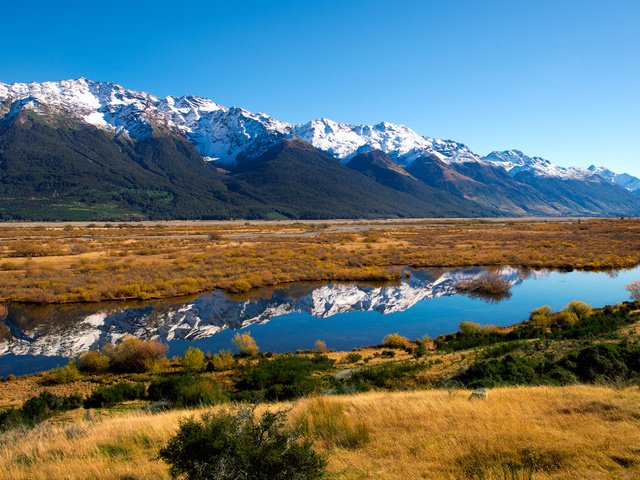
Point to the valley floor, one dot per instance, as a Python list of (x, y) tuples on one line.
[(586, 432), (84, 262)]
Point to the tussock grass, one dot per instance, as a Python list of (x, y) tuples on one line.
[(78, 262), (518, 433)]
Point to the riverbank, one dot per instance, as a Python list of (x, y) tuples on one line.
[(560, 400), (61, 263)]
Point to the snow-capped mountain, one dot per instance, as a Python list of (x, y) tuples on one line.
[(217, 132), (625, 180), (514, 161), (70, 332), (167, 145)]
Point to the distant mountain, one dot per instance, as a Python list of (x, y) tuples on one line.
[(299, 181), (378, 165), (80, 149), (625, 180)]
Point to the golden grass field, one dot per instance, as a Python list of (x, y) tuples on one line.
[(577, 432), (49, 263)]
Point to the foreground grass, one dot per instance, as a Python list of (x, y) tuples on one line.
[(92, 262), (547, 432)]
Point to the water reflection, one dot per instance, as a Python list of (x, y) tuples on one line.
[(68, 330)]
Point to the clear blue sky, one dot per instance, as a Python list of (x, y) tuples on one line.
[(558, 79)]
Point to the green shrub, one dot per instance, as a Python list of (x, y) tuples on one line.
[(245, 344), (352, 357), (221, 361), (193, 360), (37, 409), (390, 375), (122, 392), (284, 377), (237, 445), (67, 374), (133, 355), (187, 391), (93, 362)]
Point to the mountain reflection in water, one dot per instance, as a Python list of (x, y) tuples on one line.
[(68, 330)]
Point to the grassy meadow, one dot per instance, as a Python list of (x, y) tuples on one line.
[(49, 263), (537, 432)]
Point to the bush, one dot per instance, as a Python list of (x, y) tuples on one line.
[(352, 357), (390, 375), (133, 355), (284, 377), (237, 445), (193, 360), (122, 392), (67, 374), (395, 340), (245, 344), (565, 319), (37, 409), (221, 361), (541, 315), (93, 362), (581, 309), (187, 391), (321, 346)]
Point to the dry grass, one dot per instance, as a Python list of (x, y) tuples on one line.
[(551, 432), (80, 262)]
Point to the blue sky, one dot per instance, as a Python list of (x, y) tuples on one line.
[(558, 79)]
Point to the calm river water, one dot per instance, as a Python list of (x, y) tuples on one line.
[(344, 315)]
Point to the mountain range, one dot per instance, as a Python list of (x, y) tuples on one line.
[(87, 150)]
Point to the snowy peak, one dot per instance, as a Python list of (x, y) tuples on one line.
[(401, 143), (226, 135), (624, 180), (514, 161)]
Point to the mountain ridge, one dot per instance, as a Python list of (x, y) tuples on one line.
[(186, 133)]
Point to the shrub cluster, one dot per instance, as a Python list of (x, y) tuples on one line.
[(103, 396), (238, 445), (221, 361), (37, 409), (187, 391), (283, 377), (134, 355), (596, 363), (577, 320)]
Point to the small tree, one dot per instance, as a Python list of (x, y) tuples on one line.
[(237, 445), (193, 360), (245, 344), (321, 346), (221, 361), (67, 374), (541, 315), (135, 356), (470, 328), (634, 289), (395, 340), (581, 309), (93, 362)]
